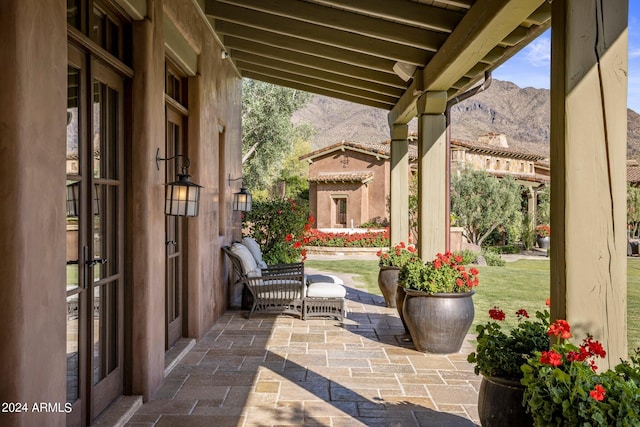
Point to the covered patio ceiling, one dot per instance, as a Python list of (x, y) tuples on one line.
[(347, 49)]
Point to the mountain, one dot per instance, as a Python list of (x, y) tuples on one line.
[(522, 114)]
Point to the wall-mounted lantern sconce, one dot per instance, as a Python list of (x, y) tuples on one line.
[(73, 199), (73, 210), (182, 196), (241, 199)]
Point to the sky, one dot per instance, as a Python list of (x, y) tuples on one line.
[(530, 67)]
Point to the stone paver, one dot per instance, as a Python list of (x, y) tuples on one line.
[(282, 371)]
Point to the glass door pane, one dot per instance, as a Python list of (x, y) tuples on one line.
[(73, 239), (173, 233)]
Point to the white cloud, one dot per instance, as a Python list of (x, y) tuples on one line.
[(538, 52), (634, 53)]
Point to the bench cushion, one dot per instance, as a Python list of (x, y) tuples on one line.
[(326, 290), (324, 278)]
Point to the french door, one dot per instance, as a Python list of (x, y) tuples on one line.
[(174, 145), (95, 237)]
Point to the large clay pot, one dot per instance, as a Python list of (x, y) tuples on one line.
[(500, 403), (388, 283), (438, 323), (400, 294), (544, 242)]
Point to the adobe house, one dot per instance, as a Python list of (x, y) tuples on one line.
[(349, 181), (125, 85)]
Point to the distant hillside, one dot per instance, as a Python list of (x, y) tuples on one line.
[(521, 114)]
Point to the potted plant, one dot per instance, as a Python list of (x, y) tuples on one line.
[(543, 233), (564, 388), (498, 357), (438, 309), (390, 263)]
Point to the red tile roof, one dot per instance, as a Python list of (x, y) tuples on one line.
[(342, 177), (375, 149)]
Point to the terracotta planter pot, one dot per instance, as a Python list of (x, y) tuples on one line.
[(543, 242), (388, 283), (438, 323), (500, 403), (400, 294)]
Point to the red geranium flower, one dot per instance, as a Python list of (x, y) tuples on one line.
[(593, 346), (522, 313), (496, 314), (598, 393), (289, 237), (551, 357), (561, 329)]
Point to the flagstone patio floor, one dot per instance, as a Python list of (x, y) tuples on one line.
[(282, 371)]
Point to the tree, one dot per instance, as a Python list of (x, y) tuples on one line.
[(267, 132), (481, 203), (294, 173), (633, 209), (544, 205)]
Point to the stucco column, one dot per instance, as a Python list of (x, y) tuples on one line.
[(399, 179), (145, 237), (33, 101), (432, 174), (588, 152)]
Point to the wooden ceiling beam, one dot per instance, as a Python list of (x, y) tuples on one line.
[(316, 90), (336, 67), (245, 60), (403, 11), (313, 82), (304, 46), (345, 20), (226, 13), (484, 26)]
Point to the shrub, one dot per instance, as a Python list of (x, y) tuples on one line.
[(493, 259), (376, 222), (468, 256), (279, 226), (506, 249)]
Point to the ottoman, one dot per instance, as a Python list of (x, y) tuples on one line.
[(324, 299)]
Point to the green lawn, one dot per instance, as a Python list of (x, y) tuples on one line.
[(521, 284)]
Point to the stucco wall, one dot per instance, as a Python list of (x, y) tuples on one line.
[(365, 201), (32, 214), (215, 99), (33, 98), (214, 103)]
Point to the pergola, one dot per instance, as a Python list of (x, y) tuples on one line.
[(413, 57)]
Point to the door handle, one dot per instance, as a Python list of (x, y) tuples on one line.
[(96, 261), (171, 242)]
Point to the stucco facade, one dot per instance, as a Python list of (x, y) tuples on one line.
[(45, 310), (359, 173), (354, 174)]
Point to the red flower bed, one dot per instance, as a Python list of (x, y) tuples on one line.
[(367, 239)]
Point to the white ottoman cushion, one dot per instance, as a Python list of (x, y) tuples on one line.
[(324, 278), (326, 290)]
